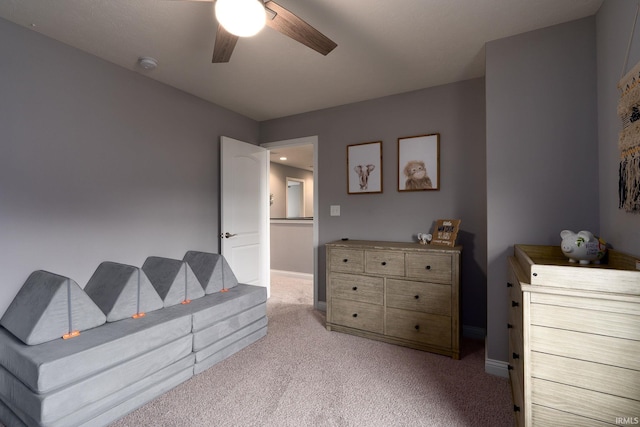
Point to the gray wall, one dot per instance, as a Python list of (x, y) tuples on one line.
[(278, 186), (542, 150), (291, 243), (100, 163), (614, 22), (456, 111), (292, 246)]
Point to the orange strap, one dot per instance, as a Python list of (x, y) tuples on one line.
[(71, 334)]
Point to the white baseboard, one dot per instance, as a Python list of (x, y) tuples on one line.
[(295, 274), (496, 367)]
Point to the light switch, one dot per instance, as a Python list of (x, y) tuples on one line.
[(335, 210)]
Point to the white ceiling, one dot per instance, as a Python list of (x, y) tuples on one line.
[(297, 156), (384, 47)]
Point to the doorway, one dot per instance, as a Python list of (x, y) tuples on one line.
[(307, 208)]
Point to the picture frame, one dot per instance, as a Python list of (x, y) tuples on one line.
[(364, 168), (445, 232), (419, 163)]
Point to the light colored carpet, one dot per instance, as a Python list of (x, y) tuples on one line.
[(302, 375)]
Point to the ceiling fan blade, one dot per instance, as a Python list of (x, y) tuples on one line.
[(224, 44), (290, 25)]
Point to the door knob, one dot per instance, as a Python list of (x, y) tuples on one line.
[(227, 235)]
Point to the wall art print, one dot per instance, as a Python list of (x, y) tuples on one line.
[(419, 163), (364, 168)]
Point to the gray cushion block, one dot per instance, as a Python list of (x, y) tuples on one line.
[(9, 417), (122, 291), (212, 270), (48, 407), (173, 279), (49, 306), (214, 308), (138, 400), (117, 404), (229, 350), (48, 366), (207, 336), (229, 340)]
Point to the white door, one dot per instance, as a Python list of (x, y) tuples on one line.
[(244, 203)]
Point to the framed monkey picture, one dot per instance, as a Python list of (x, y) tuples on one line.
[(419, 163), (364, 168)]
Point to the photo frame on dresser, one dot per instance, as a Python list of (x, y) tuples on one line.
[(364, 168), (419, 163)]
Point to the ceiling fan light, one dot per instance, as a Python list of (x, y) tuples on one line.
[(243, 18)]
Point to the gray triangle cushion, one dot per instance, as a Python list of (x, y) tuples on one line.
[(212, 270), (48, 307), (173, 279), (122, 291)]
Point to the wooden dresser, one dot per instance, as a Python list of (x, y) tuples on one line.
[(401, 293), (574, 339)]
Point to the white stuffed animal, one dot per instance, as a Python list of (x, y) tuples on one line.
[(424, 238)]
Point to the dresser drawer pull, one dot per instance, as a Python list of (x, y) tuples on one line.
[(515, 355), (355, 288), (417, 327), (345, 260), (514, 304), (516, 408), (509, 285), (509, 368), (355, 314), (417, 297), (428, 267), (383, 263), (509, 326)]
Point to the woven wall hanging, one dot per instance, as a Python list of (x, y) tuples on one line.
[(629, 138)]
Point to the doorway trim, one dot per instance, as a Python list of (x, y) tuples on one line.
[(306, 140)]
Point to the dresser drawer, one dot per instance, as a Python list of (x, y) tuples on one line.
[(517, 392), (614, 324), (358, 315), (346, 260), (586, 403), (436, 268), (515, 313), (419, 296), (544, 416), (516, 373), (588, 347), (420, 327), (386, 263), (357, 288), (587, 375)]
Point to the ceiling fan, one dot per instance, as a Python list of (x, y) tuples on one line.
[(266, 12)]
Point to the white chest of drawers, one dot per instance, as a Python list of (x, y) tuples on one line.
[(574, 338), (401, 293)]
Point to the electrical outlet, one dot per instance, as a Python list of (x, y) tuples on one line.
[(335, 210)]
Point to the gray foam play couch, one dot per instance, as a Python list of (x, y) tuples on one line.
[(142, 331)]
